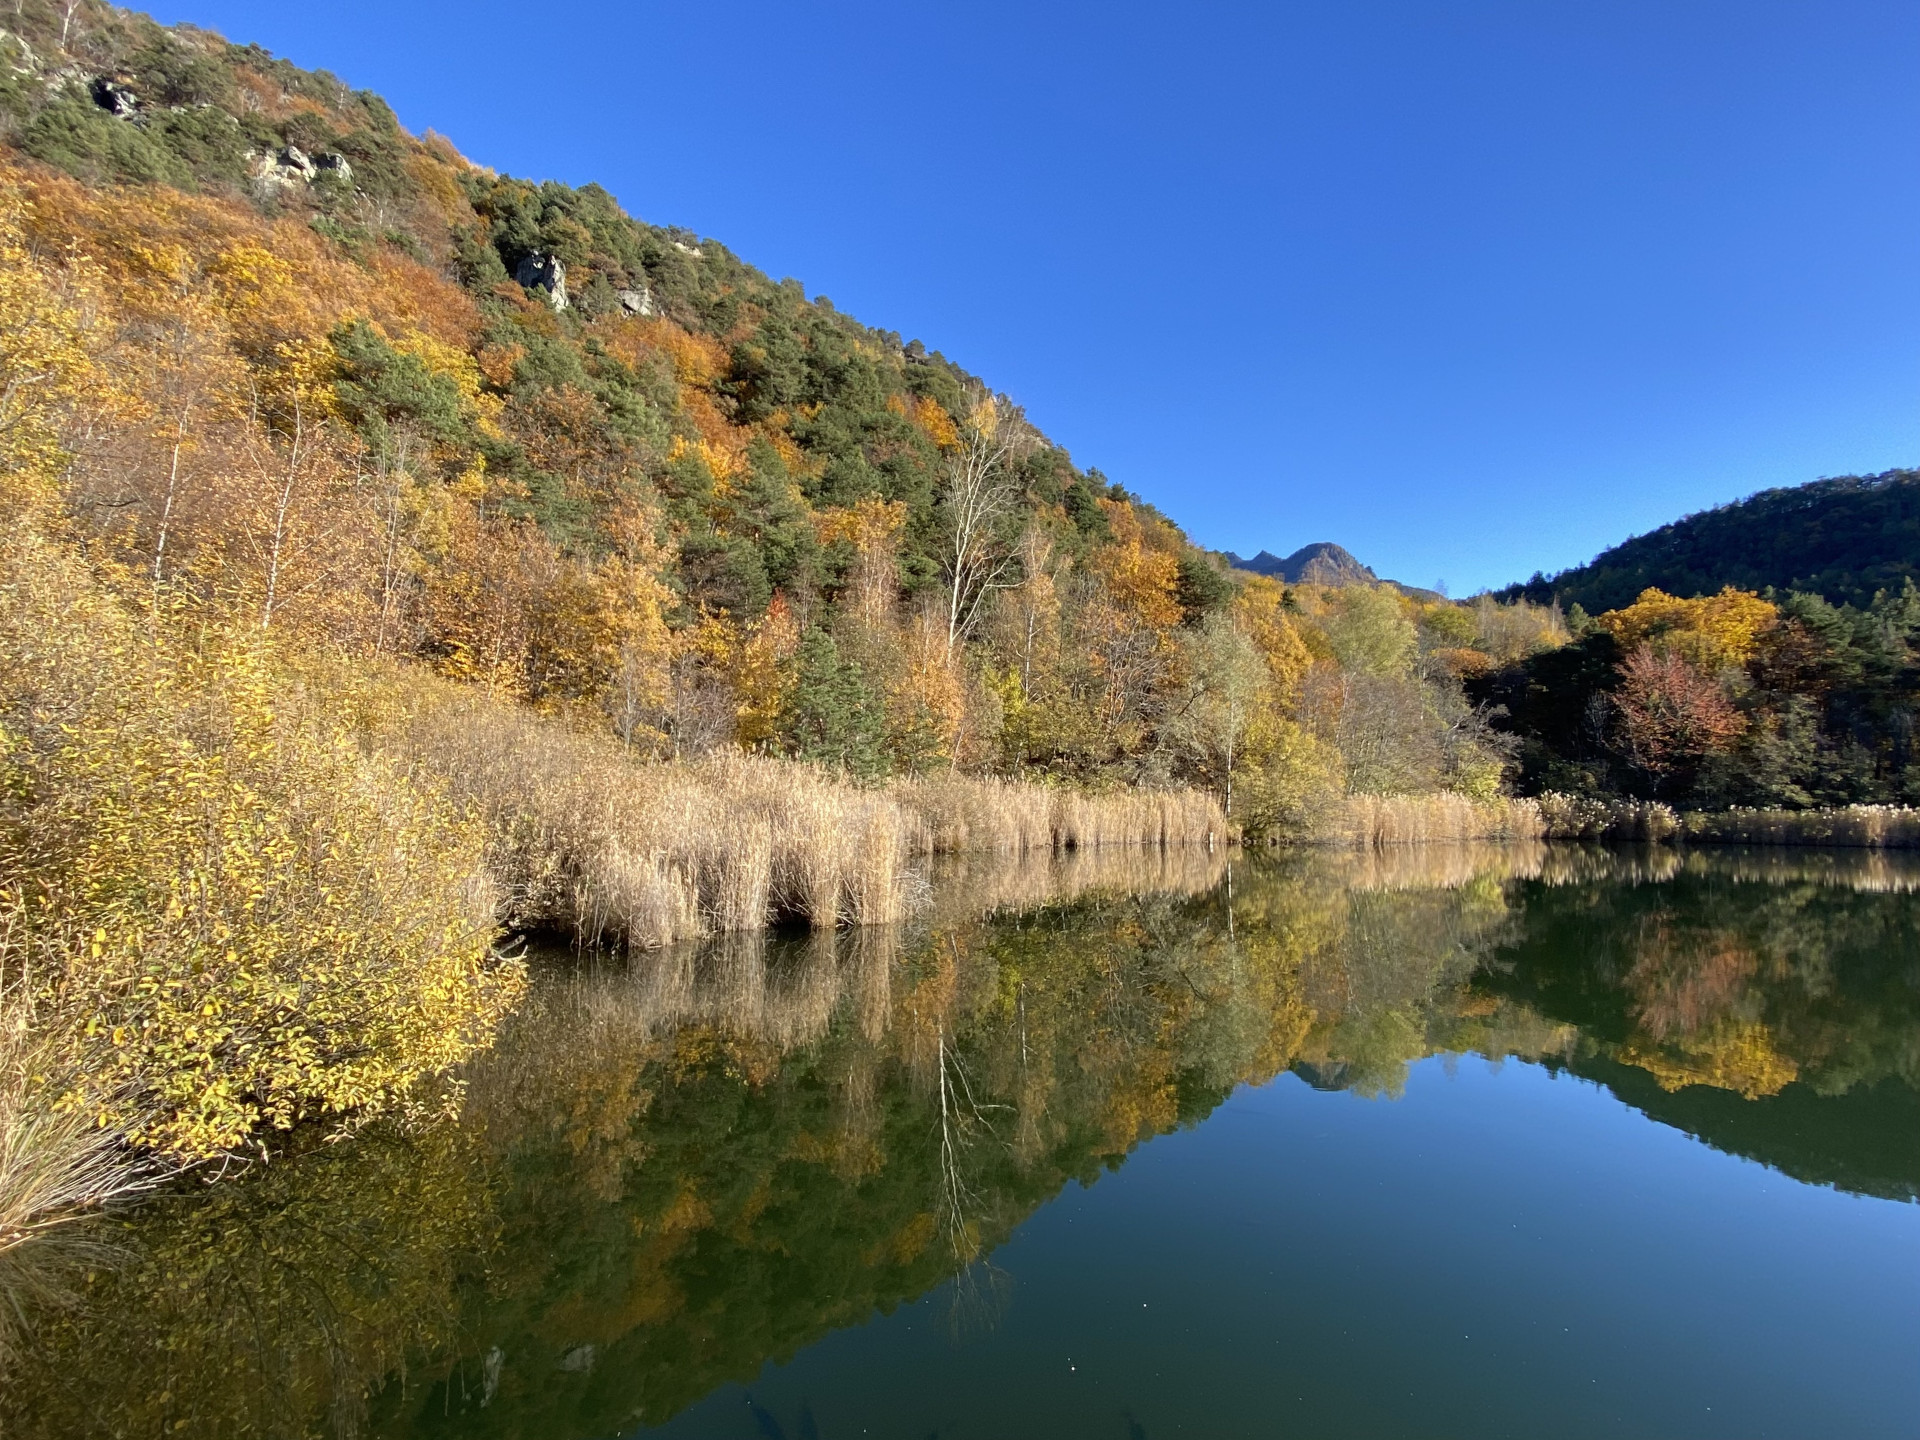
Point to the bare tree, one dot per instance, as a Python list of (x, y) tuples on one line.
[(631, 700), (294, 531), (981, 492), (279, 537), (1036, 604), (700, 707)]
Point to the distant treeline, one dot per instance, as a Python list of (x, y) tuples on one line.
[(1844, 539), (1722, 700)]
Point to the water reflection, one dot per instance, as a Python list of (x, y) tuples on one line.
[(675, 1169)]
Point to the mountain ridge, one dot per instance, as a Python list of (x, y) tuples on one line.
[(1323, 563), (1320, 563)]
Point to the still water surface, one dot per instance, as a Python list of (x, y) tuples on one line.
[(1509, 1142)]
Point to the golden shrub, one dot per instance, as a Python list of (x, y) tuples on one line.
[(246, 920)]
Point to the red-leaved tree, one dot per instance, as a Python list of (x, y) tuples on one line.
[(1670, 715)]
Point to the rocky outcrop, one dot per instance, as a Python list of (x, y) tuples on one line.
[(17, 55), (274, 172), (115, 98), (637, 301), (540, 271)]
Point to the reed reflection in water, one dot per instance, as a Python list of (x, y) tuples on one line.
[(679, 1166)]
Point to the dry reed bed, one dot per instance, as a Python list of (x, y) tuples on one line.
[(1444, 818), (1871, 827), (1580, 817), (955, 813), (586, 840)]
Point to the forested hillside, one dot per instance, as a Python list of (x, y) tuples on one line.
[(1723, 700), (395, 555), (382, 400), (1765, 653), (1842, 539)]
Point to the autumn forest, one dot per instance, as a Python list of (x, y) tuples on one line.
[(396, 556)]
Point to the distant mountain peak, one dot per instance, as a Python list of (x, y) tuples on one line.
[(1321, 563)]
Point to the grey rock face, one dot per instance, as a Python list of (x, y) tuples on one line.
[(116, 99), (637, 301), (544, 272), (274, 173), (17, 55)]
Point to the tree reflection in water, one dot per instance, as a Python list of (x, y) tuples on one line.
[(675, 1168)]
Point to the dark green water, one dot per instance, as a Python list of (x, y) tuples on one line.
[(1441, 1144)]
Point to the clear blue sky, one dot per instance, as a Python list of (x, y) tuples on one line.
[(1473, 287)]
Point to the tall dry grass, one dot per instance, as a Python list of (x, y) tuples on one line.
[(1585, 817), (1871, 827), (585, 839), (56, 1160), (1441, 818), (952, 814)]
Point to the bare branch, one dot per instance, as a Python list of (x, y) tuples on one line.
[(981, 491)]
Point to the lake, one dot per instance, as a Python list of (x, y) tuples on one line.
[(1514, 1141)]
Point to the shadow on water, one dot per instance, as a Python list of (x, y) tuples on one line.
[(676, 1169)]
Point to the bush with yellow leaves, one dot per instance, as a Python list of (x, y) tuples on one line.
[(241, 919)]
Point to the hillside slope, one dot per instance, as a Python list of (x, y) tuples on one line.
[(1843, 539), (339, 383), (586, 461)]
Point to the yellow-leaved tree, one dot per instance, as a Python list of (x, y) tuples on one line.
[(48, 314), (1712, 632), (237, 916)]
